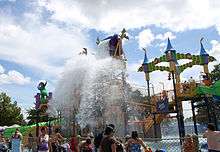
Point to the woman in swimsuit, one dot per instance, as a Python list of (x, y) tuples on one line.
[(134, 143)]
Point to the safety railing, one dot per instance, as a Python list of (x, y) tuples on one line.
[(189, 144)]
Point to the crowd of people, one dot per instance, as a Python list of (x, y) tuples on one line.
[(106, 141), (6, 143)]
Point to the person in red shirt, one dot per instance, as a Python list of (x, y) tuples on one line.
[(74, 144)]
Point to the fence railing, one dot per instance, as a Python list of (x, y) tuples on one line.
[(189, 144)]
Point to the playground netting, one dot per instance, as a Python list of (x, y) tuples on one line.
[(173, 144)]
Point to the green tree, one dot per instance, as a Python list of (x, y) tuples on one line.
[(202, 112), (137, 96), (32, 116), (10, 113), (215, 74)]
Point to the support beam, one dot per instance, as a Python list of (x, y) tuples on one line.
[(194, 118), (179, 112)]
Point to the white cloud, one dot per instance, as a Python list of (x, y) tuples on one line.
[(13, 77), (113, 15), (162, 47), (194, 72), (158, 79), (183, 61), (145, 38), (164, 36), (133, 67), (215, 50), (44, 47), (18, 78), (166, 64), (2, 70)]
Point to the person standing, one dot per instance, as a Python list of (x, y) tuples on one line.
[(16, 141), (30, 142), (74, 142), (98, 138), (97, 141), (108, 143), (127, 137), (135, 143), (3, 146), (213, 138), (86, 146), (56, 140), (43, 140)]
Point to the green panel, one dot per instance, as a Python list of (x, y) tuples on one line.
[(23, 129), (178, 56), (163, 58), (212, 90), (196, 60)]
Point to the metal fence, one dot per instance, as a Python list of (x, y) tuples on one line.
[(196, 144), (199, 144)]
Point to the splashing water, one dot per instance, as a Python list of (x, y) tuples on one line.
[(91, 87)]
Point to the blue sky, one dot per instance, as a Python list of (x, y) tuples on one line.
[(38, 37)]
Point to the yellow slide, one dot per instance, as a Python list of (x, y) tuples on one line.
[(149, 122)]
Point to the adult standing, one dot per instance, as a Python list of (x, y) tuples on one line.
[(127, 137), (3, 146), (74, 142), (30, 142), (98, 138), (213, 138), (56, 140), (108, 143), (43, 140), (97, 141), (16, 141), (135, 143), (86, 146)]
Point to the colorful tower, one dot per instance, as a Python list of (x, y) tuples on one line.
[(41, 104), (145, 67), (171, 58), (204, 58)]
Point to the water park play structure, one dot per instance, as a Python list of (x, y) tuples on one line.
[(161, 106), (41, 105), (87, 94)]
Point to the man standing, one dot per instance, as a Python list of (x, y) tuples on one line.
[(213, 138), (108, 143)]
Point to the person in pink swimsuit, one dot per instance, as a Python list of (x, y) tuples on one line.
[(213, 138)]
